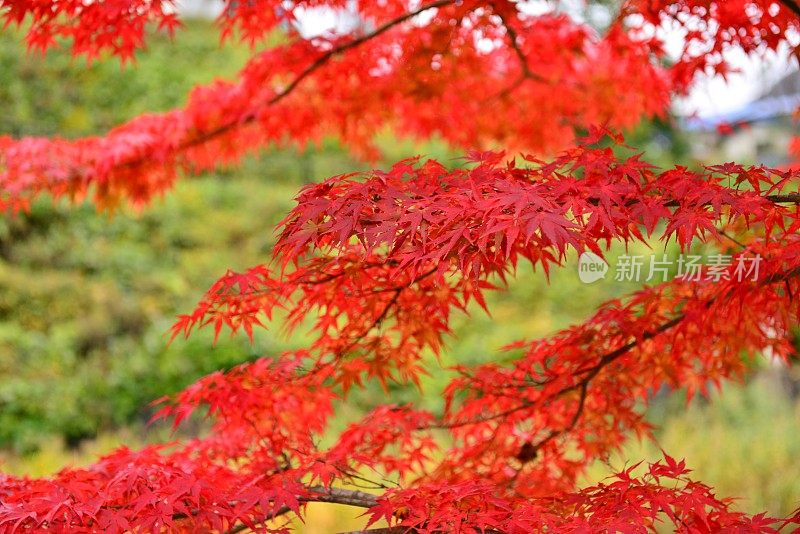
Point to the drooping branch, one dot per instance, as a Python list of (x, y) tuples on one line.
[(305, 73), (139, 158)]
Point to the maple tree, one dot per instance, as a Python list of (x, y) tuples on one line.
[(379, 261)]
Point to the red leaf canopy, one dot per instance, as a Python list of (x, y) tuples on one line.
[(380, 261)]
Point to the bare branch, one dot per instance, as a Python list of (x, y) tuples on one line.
[(356, 498), (344, 496)]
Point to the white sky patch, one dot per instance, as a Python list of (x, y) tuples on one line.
[(208, 9), (712, 95), (320, 21), (750, 77)]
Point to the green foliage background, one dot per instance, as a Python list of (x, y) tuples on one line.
[(86, 299)]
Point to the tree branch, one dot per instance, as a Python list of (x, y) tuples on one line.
[(788, 198), (590, 372), (409, 530), (594, 370), (359, 499), (356, 498), (523, 59), (793, 6), (305, 73)]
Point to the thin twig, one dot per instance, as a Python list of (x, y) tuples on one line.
[(305, 73), (604, 361)]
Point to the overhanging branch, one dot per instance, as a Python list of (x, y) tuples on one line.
[(305, 73)]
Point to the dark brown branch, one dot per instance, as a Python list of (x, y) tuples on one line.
[(584, 390), (409, 530), (789, 198), (793, 6), (356, 498), (523, 59), (354, 43)]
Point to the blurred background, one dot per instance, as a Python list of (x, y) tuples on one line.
[(86, 298)]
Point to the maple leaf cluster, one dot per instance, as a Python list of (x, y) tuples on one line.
[(379, 262)]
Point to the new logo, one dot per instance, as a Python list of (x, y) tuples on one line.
[(591, 268)]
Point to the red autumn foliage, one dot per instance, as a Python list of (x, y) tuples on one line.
[(378, 263)]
